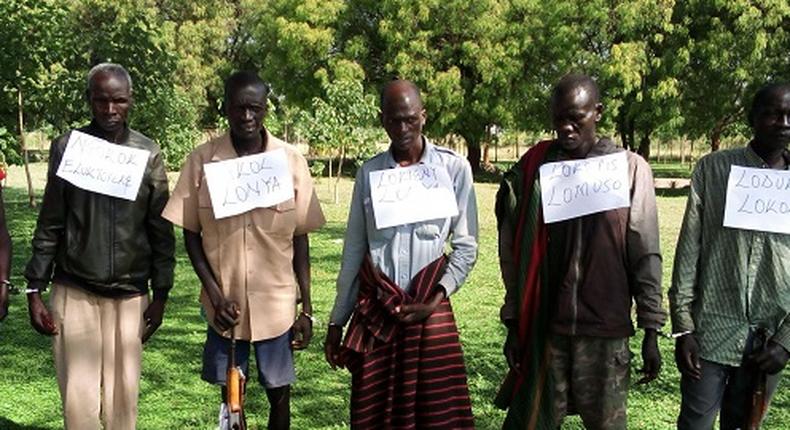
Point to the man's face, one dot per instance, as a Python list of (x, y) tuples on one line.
[(403, 117), (771, 121), (245, 111), (574, 114), (110, 99)]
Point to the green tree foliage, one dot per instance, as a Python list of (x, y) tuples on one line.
[(340, 121), (666, 67), (288, 42), (456, 51), (730, 48)]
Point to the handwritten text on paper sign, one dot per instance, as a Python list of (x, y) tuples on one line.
[(574, 188), (97, 165), (758, 199), (405, 195), (245, 183)]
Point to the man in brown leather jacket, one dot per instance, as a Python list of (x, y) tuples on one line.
[(101, 254)]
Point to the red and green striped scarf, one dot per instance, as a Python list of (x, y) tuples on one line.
[(528, 395)]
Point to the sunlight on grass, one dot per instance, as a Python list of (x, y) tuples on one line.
[(173, 396)]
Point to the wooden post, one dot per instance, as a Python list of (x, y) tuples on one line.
[(23, 145)]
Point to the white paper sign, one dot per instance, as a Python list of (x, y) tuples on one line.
[(245, 183), (574, 188), (97, 165), (411, 194), (758, 199)]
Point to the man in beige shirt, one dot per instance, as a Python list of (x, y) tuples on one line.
[(250, 264)]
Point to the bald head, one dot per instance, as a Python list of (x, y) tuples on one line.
[(400, 89), (573, 82), (403, 117)]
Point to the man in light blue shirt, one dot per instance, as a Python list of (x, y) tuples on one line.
[(400, 253)]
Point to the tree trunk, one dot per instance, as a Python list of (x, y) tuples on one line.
[(473, 156), (486, 156), (715, 139), (329, 182), (339, 172), (518, 152), (23, 145), (718, 130), (644, 146)]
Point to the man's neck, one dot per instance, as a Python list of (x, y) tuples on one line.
[(410, 156), (774, 157), (249, 146), (110, 136)]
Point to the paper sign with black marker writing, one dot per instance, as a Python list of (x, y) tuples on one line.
[(406, 195), (573, 188), (97, 165), (245, 183), (758, 199)]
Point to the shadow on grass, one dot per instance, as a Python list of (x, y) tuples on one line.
[(6, 424), (672, 192)]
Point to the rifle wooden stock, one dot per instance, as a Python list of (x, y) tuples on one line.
[(759, 404), (235, 390)]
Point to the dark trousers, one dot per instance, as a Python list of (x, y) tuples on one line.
[(725, 388)]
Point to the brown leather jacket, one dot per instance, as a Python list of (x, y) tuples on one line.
[(109, 246)]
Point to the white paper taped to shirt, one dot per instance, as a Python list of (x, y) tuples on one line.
[(246, 183), (96, 165), (574, 188), (406, 195), (758, 199)]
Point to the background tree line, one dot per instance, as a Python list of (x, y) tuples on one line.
[(667, 68)]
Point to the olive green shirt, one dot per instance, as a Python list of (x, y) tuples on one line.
[(727, 280)]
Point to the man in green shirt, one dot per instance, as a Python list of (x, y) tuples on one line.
[(728, 283)]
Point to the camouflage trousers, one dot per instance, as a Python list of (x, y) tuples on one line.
[(591, 377)]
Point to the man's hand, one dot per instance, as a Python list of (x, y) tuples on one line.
[(771, 360), (226, 315), (152, 317), (332, 345), (302, 331), (687, 356), (651, 357), (417, 312), (3, 301), (512, 352), (40, 318)]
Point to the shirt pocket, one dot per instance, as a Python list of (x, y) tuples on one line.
[(278, 220), (429, 231)]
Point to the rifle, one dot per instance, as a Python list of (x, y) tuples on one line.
[(759, 404), (235, 390)]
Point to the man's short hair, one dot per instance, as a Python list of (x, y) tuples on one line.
[(242, 79), (762, 95), (576, 80), (111, 68)]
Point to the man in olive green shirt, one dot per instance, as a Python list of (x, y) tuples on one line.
[(728, 283)]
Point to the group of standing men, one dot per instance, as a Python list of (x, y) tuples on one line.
[(570, 283)]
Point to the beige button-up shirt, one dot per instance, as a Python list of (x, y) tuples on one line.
[(251, 254)]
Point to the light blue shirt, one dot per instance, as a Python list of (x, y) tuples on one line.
[(402, 251)]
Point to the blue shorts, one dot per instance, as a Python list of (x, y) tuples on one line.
[(273, 358)]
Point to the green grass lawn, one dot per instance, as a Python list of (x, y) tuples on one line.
[(173, 396)]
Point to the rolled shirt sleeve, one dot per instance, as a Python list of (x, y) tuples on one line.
[(182, 207)]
